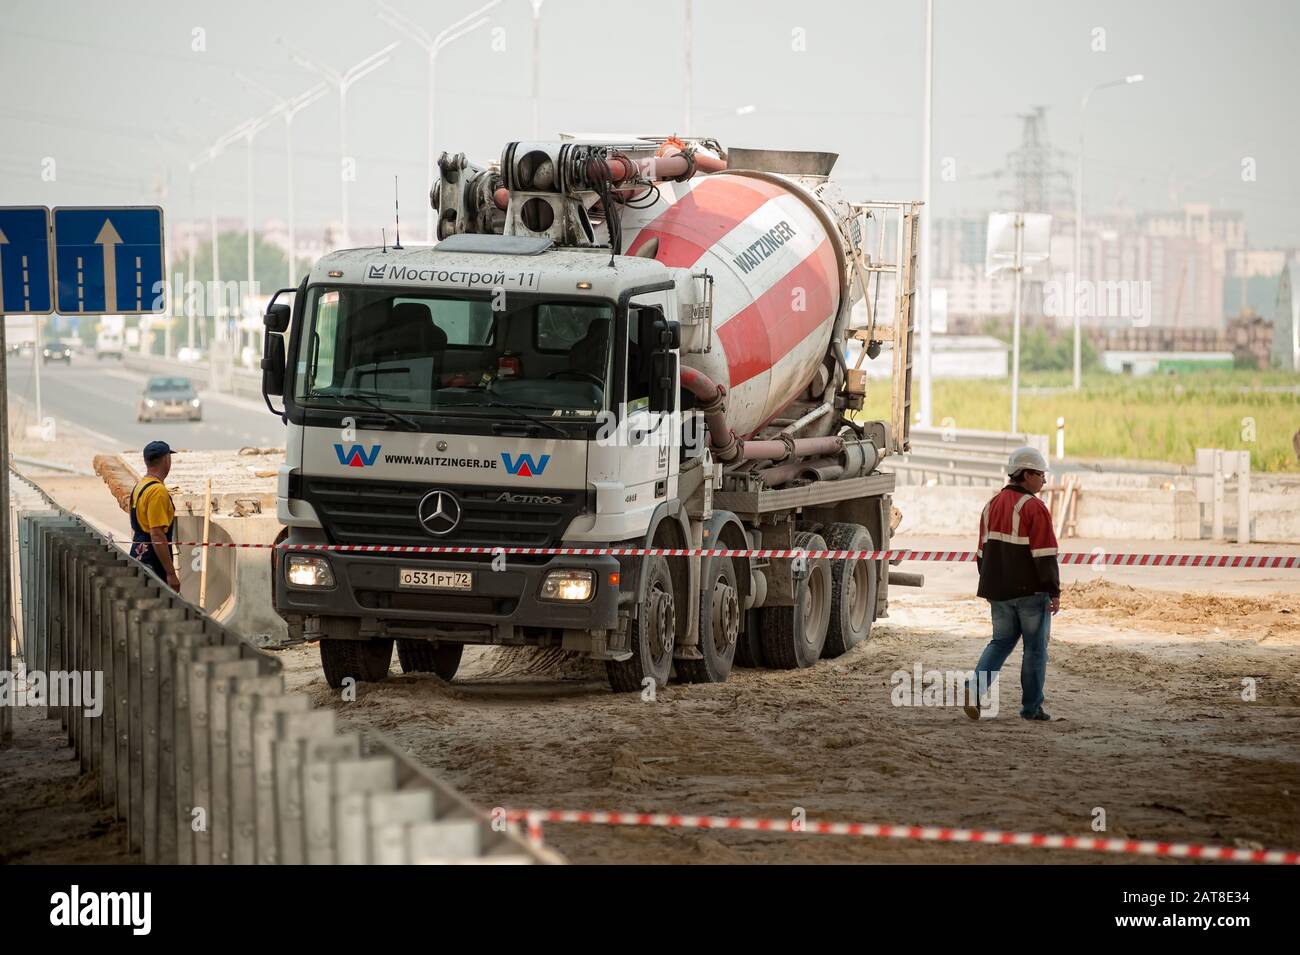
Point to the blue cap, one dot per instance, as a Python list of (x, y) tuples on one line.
[(155, 450)]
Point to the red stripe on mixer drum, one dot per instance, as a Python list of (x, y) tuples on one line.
[(710, 210), (756, 338)]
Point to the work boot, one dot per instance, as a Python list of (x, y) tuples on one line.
[(1042, 714), (972, 705)]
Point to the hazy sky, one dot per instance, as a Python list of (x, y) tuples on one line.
[(117, 95)]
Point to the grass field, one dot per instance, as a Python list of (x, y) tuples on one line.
[(1164, 418)]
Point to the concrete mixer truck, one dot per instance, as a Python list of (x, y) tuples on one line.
[(616, 344)]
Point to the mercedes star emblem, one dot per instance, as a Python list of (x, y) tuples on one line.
[(439, 512)]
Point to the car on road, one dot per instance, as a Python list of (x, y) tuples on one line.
[(57, 351), (108, 343), (169, 399)]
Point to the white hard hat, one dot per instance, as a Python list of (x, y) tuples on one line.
[(1022, 458)]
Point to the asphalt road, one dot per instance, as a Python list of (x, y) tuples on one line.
[(100, 399)]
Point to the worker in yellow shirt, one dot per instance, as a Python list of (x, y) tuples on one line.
[(153, 515)]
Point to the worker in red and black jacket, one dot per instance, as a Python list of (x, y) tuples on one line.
[(1020, 579)]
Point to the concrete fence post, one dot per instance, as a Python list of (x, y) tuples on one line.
[(319, 794), (1216, 525), (198, 748), (1243, 497), (293, 730), (266, 710)]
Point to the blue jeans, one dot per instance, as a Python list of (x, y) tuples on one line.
[(1027, 617)]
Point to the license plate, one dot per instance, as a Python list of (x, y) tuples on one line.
[(424, 579)]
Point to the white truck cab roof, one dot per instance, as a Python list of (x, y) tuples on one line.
[(489, 262)]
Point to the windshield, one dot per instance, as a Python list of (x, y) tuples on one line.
[(410, 351), (170, 384)]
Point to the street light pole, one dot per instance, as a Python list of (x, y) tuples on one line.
[(1078, 223), (537, 64), (342, 82), (247, 131), (431, 47), (688, 120), (214, 296), (1019, 269), (927, 221), (288, 108)]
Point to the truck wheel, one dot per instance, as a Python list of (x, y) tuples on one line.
[(366, 661), (853, 590), (793, 637), (749, 647), (653, 633), (720, 616), (425, 656)]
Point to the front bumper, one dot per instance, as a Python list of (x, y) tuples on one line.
[(365, 586)]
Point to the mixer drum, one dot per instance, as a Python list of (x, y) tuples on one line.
[(777, 283)]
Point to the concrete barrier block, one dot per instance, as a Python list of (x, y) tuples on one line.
[(1275, 517)]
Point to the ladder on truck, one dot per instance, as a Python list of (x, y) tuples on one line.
[(886, 227)]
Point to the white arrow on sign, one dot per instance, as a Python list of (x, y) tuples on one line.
[(108, 240)]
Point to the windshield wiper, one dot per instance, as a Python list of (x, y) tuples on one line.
[(492, 402), (371, 400)]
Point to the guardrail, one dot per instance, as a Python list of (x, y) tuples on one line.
[(960, 457), (197, 745)]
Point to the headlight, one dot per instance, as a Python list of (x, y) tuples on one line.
[(304, 571), (149, 402), (46, 352), (194, 403), (568, 585)]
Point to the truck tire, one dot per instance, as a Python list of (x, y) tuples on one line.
[(366, 661), (793, 637), (425, 656), (653, 632), (720, 624), (749, 648), (853, 590)]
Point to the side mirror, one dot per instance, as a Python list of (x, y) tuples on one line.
[(646, 316), (277, 318), (273, 364), (663, 382), (654, 332)]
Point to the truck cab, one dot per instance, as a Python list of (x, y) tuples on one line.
[(469, 396)]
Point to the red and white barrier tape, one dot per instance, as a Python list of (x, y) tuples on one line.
[(1094, 558), (534, 818)]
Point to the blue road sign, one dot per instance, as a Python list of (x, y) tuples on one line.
[(25, 261), (109, 261)]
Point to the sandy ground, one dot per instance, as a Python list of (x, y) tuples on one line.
[(49, 814), (1145, 684), (1145, 687)]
